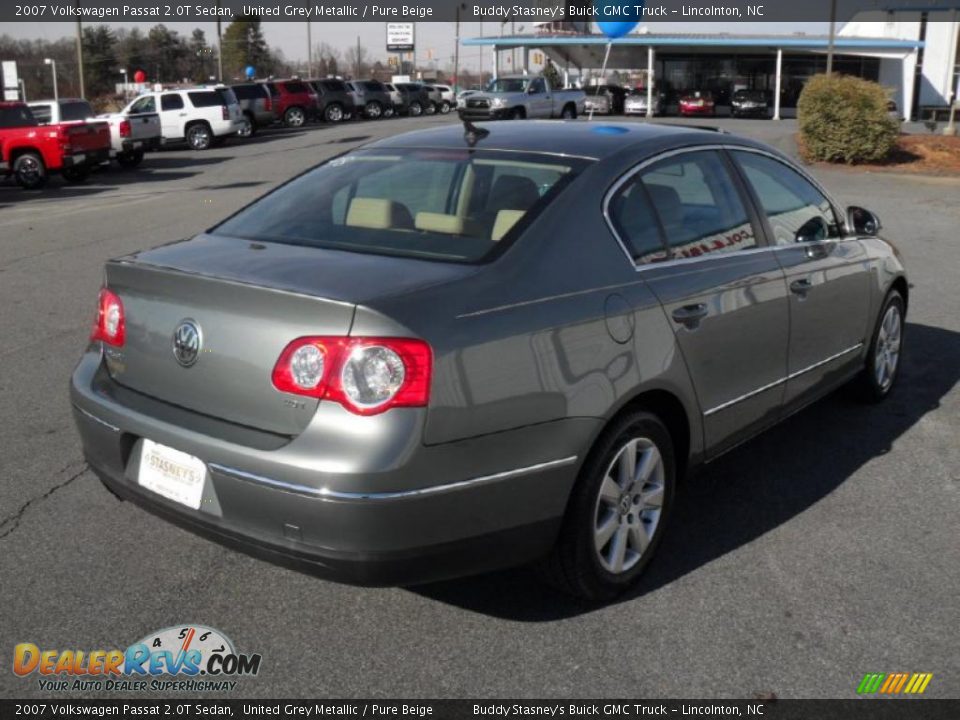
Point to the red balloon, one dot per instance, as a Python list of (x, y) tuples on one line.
[(139, 76)]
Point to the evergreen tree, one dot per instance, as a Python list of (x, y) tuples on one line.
[(243, 45)]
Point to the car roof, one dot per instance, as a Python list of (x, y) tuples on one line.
[(595, 140)]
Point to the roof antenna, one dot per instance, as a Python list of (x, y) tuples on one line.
[(473, 134)]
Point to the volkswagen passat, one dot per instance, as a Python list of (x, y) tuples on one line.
[(447, 352)]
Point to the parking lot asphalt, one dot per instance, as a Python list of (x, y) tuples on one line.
[(825, 549)]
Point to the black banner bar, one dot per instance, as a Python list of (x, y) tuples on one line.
[(858, 709), (645, 11)]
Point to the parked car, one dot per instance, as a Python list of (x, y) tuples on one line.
[(201, 116), (749, 103), (697, 102), (375, 99), (417, 99), (357, 94), (397, 98), (448, 98), (256, 104), (130, 135), (295, 102), (636, 103), (436, 99), (522, 96), (335, 100), (379, 372), (31, 152)]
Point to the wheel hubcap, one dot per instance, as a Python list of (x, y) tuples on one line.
[(29, 169), (628, 505), (334, 114), (888, 348)]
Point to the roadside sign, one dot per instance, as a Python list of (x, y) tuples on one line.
[(11, 81), (400, 37)]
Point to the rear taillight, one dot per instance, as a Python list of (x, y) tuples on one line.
[(63, 138), (125, 128), (366, 375), (225, 112), (109, 325)]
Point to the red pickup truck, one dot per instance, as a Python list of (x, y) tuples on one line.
[(31, 152)]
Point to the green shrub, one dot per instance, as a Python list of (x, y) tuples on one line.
[(844, 119)]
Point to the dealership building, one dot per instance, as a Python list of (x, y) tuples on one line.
[(915, 54)]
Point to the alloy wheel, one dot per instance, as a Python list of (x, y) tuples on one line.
[(373, 110), (887, 354), (199, 137), (629, 505), (246, 127), (334, 113), (29, 170), (295, 117)]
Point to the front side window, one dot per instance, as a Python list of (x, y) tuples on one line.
[(453, 205), (146, 104), (171, 101), (42, 113), (796, 210), (698, 205)]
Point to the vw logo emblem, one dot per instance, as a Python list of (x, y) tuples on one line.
[(186, 343)]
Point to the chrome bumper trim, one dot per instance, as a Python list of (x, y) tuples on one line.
[(396, 495), (97, 420)]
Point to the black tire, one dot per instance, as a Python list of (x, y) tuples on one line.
[(248, 128), (430, 109), (29, 170), (569, 112), (373, 110), (130, 159), (517, 114), (575, 566), (869, 384), (295, 117), (199, 136), (333, 113), (444, 107), (415, 109), (388, 111), (76, 175)]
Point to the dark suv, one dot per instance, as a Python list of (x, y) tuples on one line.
[(417, 98), (334, 99), (294, 101), (257, 106), (377, 102)]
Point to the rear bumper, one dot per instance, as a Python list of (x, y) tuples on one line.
[(427, 513), (146, 145), (86, 158)]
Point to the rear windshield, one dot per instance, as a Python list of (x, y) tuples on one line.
[(452, 205), (296, 87), (19, 116), (75, 111)]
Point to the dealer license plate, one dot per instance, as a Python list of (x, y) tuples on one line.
[(79, 158), (175, 475)]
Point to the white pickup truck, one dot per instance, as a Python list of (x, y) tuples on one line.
[(131, 134), (521, 96)]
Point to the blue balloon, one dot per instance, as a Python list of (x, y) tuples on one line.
[(250, 71), (612, 8)]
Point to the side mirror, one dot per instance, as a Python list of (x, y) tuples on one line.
[(862, 222)]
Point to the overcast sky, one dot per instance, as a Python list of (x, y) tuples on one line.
[(291, 37)]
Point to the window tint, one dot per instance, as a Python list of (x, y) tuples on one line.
[(75, 111), (538, 86), (636, 223), (248, 92), (17, 116), (41, 113), (453, 205), (144, 105), (333, 86), (172, 101), (797, 211), (295, 87), (698, 205)]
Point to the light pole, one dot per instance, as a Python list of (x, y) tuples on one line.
[(309, 52), (53, 65), (126, 88), (833, 35), (79, 58)]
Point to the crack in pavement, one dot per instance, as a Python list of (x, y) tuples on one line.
[(14, 520)]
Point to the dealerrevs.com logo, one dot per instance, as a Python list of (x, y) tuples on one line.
[(187, 658)]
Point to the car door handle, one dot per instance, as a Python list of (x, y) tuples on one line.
[(801, 287), (817, 252), (690, 315)]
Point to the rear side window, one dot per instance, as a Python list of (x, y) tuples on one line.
[(42, 114), (796, 210), (205, 98), (248, 92), (699, 207), (295, 87), (75, 111), (19, 116), (333, 86), (635, 221), (373, 86), (171, 101), (450, 205)]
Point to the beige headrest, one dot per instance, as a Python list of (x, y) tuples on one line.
[(506, 219), (440, 223), (377, 214)]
